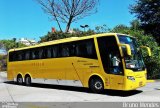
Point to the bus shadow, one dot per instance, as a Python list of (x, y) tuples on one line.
[(82, 89)]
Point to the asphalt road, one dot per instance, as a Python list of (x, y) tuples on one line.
[(11, 92)]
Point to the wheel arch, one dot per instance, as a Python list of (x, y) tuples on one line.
[(20, 74), (27, 74), (96, 76)]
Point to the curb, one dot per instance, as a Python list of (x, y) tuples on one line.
[(150, 81)]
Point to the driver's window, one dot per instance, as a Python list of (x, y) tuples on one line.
[(110, 55), (116, 64)]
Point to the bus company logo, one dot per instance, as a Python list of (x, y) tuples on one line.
[(9, 105), (140, 105)]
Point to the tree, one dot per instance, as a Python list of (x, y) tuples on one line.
[(148, 12), (68, 11), (101, 28), (152, 63), (120, 28), (1, 57), (6, 45), (135, 25), (1, 46), (9, 44), (60, 35)]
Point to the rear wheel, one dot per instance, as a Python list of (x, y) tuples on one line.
[(28, 81), (19, 80), (96, 85)]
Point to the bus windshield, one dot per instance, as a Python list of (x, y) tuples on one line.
[(135, 61)]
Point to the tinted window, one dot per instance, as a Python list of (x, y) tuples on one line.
[(26, 55), (54, 51), (41, 53), (108, 48), (33, 54), (67, 49), (86, 48), (11, 56), (20, 55), (83, 48), (48, 52)]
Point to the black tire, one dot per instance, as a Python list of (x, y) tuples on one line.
[(19, 80), (96, 85), (28, 81)]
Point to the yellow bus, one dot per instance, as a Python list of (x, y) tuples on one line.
[(101, 61)]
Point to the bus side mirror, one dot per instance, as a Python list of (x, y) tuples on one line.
[(148, 50), (127, 47)]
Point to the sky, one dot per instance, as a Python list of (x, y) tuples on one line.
[(26, 19)]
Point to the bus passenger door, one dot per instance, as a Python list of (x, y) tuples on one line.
[(111, 61), (115, 70)]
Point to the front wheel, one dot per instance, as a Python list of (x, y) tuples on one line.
[(28, 81), (96, 85)]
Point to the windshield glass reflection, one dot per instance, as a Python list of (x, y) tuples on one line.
[(134, 62)]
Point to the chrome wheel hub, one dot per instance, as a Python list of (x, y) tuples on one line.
[(98, 85)]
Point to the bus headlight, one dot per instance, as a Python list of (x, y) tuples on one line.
[(131, 78)]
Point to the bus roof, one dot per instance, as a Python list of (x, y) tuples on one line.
[(66, 40)]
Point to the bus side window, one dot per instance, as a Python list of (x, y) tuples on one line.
[(72, 49), (40, 53), (11, 56), (15, 56), (36, 54), (19, 56), (68, 50), (33, 56), (91, 49), (49, 52), (86, 48), (27, 55), (64, 50), (55, 51), (81, 50)]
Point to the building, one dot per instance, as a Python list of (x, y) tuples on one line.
[(27, 42)]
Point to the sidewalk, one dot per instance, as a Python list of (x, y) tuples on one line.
[(3, 76)]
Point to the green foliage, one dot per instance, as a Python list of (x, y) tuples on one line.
[(76, 33), (153, 62), (148, 12), (1, 57), (60, 35), (120, 29), (3, 62), (9, 44), (135, 25), (101, 29)]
